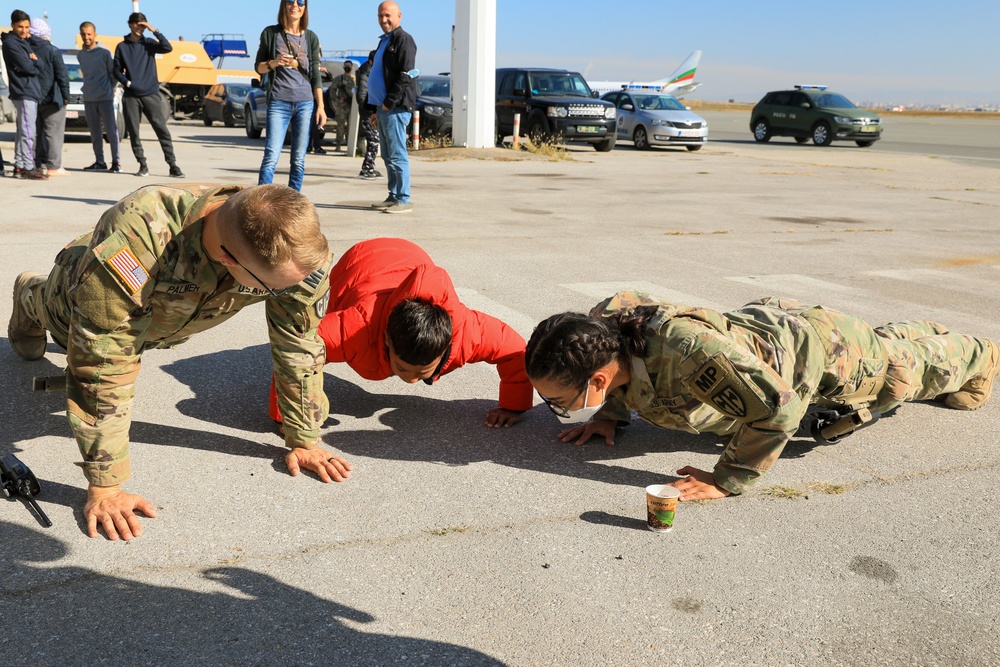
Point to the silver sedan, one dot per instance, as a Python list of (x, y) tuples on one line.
[(653, 119)]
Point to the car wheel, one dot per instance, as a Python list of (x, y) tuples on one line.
[(801, 140), (761, 131), (864, 144), (694, 148), (537, 130), (227, 118), (251, 126), (206, 119), (640, 139), (821, 134)]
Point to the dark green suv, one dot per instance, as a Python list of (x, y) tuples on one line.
[(813, 112)]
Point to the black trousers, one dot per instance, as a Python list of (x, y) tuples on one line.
[(154, 109)]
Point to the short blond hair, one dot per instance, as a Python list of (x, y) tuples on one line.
[(280, 225)]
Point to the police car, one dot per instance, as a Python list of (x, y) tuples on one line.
[(813, 112), (650, 118)]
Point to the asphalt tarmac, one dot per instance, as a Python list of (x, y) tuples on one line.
[(454, 544)]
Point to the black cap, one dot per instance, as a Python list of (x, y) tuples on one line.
[(136, 17)]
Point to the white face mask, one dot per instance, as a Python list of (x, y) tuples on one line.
[(585, 413)]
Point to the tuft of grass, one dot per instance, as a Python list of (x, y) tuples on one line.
[(432, 141), (787, 492), (549, 148), (831, 489), (448, 530)]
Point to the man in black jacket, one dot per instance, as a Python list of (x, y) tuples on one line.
[(135, 68), (393, 93), (22, 67)]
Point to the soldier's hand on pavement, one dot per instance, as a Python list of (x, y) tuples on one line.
[(114, 510), (604, 428), (498, 417), (698, 485), (329, 467)]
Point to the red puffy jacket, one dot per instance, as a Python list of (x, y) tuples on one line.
[(367, 283)]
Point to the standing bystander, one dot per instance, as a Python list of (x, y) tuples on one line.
[(98, 68), (53, 83), (393, 93), (342, 95), (289, 55), (22, 68), (135, 68), (369, 124)]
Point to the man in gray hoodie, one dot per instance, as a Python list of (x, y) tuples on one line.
[(53, 82), (98, 68)]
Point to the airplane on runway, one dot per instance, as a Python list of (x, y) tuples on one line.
[(678, 84)]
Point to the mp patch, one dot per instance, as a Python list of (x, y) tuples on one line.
[(128, 270), (718, 384)]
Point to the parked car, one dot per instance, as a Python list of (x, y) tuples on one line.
[(813, 112), (434, 105), (76, 115), (653, 119), (554, 104), (225, 102), (255, 102)]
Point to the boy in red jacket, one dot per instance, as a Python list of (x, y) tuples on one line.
[(392, 311)]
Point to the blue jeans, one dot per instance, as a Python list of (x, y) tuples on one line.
[(279, 115), (392, 139)]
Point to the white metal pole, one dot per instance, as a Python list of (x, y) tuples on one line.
[(517, 129), (416, 129)]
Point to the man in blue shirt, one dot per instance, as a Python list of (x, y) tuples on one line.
[(393, 93)]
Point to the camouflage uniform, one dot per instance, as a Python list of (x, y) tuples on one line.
[(142, 280), (341, 95), (751, 374)]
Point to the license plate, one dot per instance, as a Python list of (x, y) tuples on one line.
[(72, 114), (870, 128), (588, 129)]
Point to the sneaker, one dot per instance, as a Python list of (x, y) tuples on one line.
[(35, 174), (398, 207), (97, 166), (143, 171), (175, 171), (115, 168), (24, 334), (61, 171), (43, 170), (320, 151), (370, 176), (974, 393), (389, 201)]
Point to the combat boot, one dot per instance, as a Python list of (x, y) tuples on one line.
[(25, 336), (974, 393)]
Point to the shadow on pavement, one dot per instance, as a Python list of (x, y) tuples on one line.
[(82, 200), (76, 616)]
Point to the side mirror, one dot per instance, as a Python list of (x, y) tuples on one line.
[(806, 105), (628, 107), (688, 108), (594, 94), (520, 92), (255, 83)]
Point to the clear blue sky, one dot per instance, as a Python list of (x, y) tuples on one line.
[(916, 51)]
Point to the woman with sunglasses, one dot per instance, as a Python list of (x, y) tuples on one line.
[(748, 375), (288, 60)]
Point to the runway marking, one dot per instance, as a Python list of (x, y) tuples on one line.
[(521, 323), (790, 283), (600, 291), (942, 279)]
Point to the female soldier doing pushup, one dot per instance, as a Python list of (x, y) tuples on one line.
[(750, 375)]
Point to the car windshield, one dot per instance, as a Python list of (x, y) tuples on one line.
[(659, 103), (832, 101), (558, 83), (237, 91), (432, 88), (73, 71)]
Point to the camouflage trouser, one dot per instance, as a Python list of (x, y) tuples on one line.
[(342, 117)]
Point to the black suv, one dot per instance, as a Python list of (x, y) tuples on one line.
[(813, 112), (554, 104)]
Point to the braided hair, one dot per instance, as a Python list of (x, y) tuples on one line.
[(570, 347)]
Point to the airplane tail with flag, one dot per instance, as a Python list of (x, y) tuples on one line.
[(678, 84)]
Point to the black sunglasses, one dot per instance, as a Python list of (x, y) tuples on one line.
[(560, 411), (300, 3), (243, 266)]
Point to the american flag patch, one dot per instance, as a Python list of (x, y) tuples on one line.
[(128, 270)]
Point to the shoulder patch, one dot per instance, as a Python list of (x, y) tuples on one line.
[(126, 267), (720, 386), (315, 278)]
